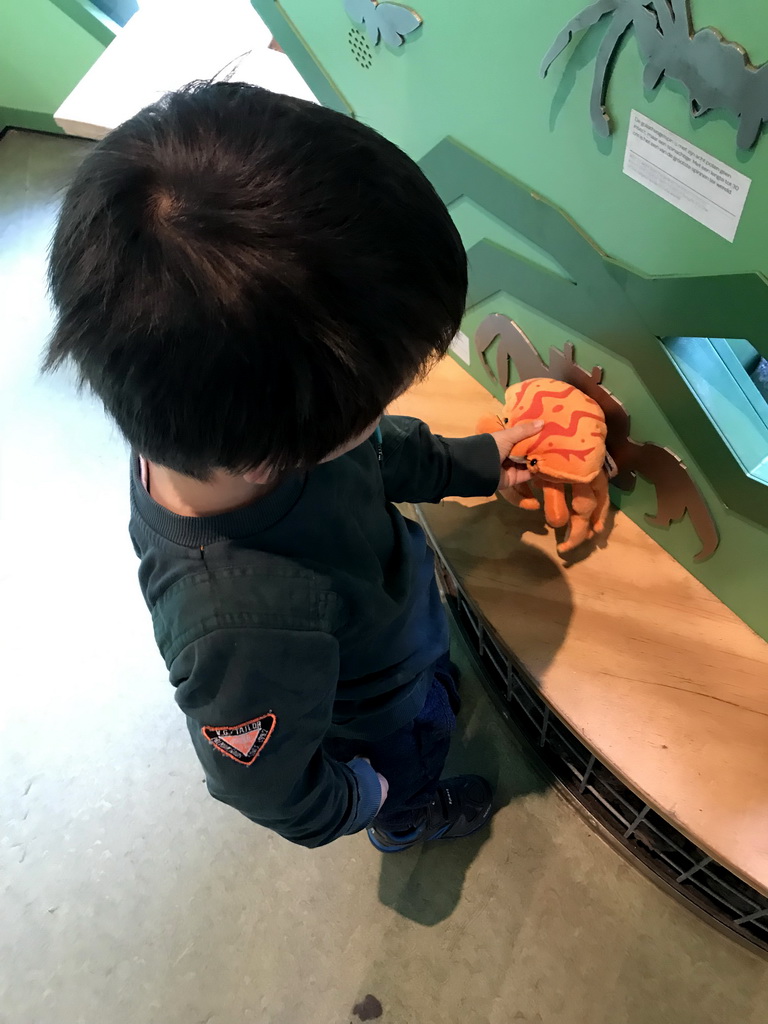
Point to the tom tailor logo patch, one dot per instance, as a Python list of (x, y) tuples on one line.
[(243, 743)]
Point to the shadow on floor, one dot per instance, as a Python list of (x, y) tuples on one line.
[(486, 546), (425, 884)]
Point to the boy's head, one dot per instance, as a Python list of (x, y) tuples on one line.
[(247, 279)]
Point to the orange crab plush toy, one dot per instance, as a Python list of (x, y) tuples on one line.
[(569, 450)]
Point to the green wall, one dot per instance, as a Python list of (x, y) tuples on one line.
[(46, 49), (471, 74)]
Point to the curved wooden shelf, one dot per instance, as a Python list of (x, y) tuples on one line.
[(659, 679)]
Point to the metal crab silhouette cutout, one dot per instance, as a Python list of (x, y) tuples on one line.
[(676, 492), (716, 72), (386, 21)]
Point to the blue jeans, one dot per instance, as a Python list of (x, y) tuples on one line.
[(412, 758)]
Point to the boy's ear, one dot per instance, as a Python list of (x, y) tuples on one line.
[(259, 475)]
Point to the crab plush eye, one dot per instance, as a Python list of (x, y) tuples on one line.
[(533, 462), (506, 419)]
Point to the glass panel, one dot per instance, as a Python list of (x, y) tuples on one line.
[(730, 379), (118, 10)]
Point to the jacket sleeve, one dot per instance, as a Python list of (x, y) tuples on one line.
[(420, 466), (258, 704)]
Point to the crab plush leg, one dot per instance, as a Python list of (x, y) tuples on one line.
[(602, 502), (522, 496), (583, 501), (555, 506)]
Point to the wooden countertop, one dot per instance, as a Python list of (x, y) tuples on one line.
[(658, 678)]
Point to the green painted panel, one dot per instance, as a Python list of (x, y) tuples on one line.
[(477, 224), (15, 117), (562, 242), (473, 73), (741, 21), (292, 42), (45, 54), (599, 302), (89, 18)]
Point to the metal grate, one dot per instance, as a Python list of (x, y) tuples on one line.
[(678, 862), (360, 48)]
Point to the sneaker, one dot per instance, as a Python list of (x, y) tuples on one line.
[(461, 807)]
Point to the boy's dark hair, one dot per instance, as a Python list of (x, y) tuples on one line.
[(244, 278)]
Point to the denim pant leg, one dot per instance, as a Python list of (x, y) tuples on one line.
[(412, 759)]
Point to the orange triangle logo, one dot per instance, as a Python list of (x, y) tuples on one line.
[(242, 743)]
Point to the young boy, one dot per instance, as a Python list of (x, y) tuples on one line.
[(247, 281)]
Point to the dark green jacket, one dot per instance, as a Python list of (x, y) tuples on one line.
[(312, 613)]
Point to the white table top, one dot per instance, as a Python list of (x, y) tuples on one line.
[(167, 44)]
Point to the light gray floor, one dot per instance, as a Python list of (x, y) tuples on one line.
[(130, 897)]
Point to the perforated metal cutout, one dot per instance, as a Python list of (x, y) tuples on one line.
[(360, 48)]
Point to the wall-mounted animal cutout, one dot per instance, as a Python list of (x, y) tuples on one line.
[(569, 450), (716, 72), (383, 21), (676, 492)]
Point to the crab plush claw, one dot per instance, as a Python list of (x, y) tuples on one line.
[(569, 450)]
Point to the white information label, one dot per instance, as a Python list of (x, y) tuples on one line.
[(460, 347), (705, 188)]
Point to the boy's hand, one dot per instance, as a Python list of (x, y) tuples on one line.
[(382, 782), (512, 473), (384, 790)]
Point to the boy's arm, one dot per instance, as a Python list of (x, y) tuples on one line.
[(258, 704), (420, 466)]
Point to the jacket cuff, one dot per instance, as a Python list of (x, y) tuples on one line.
[(368, 795), (475, 466)]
